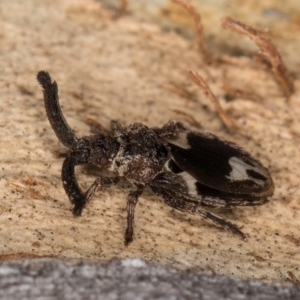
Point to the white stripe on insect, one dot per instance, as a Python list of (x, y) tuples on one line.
[(180, 140), (239, 171), (190, 182)]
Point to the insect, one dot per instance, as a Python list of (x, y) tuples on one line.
[(188, 170)]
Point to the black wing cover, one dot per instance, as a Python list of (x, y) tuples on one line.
[(220, 167)]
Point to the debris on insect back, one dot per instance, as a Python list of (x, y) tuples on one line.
[(187, 169)]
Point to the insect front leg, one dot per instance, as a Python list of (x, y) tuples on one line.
[(132, 200), (181, 204), (76, 196), (100, 182), (69, 180)]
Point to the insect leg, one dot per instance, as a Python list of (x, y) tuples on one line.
[(181, 204), (69, 180), (132, 199), (231, 202), (217, 220), (102, 182)]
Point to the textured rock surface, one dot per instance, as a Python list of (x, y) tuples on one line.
[(127, 279)]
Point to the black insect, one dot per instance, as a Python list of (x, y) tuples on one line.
[(187, 169)]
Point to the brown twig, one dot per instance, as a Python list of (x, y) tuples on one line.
[(268, 49), (199, 27), (207, 91)]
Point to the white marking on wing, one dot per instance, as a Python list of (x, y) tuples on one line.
[(191, 183), (180, 140), (239, 171)]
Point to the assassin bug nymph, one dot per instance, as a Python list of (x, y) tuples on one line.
[(187, 169)]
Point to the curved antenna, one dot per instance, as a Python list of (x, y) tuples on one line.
[(59, 124)]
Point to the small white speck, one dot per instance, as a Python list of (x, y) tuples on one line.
[(239, 171), (136, 263), (181, 141)]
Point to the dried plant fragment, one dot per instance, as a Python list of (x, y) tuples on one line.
[(21, 255), (30, 181), (256, 256), (189, 117), (293, 278), (207, 91), (294, 240), (96, 127), (88, 13), (28, 191), (179, 90), (268, 49), (199, 27), (123, 6), (233, 93)]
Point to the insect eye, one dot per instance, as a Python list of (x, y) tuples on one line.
[(103, 161)]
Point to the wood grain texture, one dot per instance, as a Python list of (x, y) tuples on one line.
[(123, 70)]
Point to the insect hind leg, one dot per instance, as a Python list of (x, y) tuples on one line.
[(132, 200), (184, 205)]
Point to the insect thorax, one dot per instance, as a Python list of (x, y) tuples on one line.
[(141, 155)]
